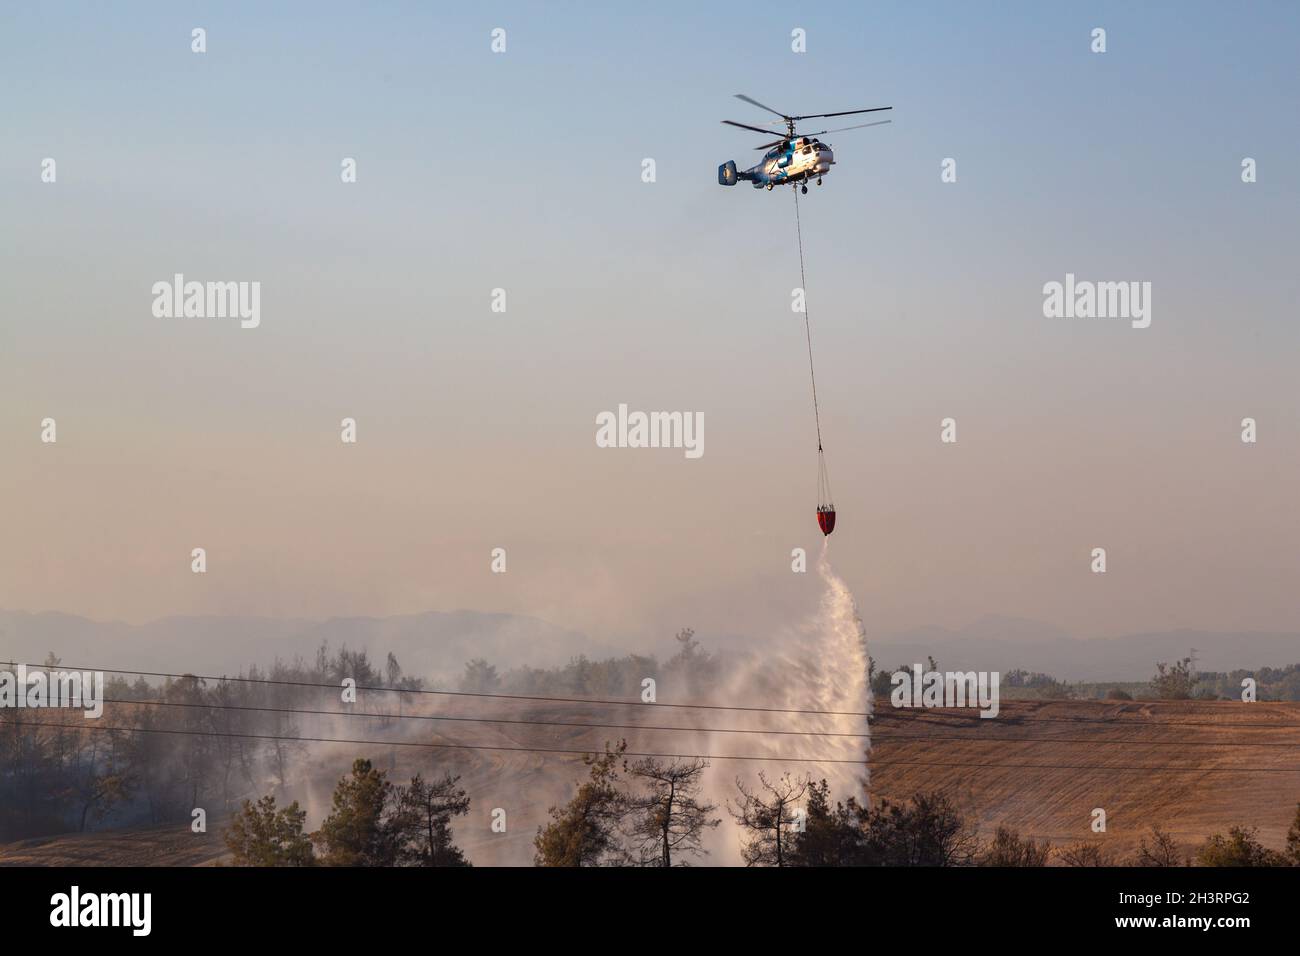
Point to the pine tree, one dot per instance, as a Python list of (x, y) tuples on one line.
[(769, 817), (359, 831), (1241, 847), (424, 812), (668, 818), (832, 835), (585, 831), (1293, 839), (260, 835)]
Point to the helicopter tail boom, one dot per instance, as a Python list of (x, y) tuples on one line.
[(728, 175)]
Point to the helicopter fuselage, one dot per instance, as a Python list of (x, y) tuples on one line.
[(794, 161)]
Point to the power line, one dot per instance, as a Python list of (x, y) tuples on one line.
[(911, 714), (484, 720), (462, 693), (874, 737), (415, 743), (583, 753)]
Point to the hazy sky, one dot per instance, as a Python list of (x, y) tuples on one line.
[(522, 171)]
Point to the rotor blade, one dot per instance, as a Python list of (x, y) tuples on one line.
[(874, 109), (756, 129), (753, 102), (777, 142), (843, 128)]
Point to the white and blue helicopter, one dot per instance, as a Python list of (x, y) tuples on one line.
[(793, 159)]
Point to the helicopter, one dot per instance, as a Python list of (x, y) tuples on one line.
[(794, 158)]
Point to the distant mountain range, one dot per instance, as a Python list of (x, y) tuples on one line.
[(437, 644)]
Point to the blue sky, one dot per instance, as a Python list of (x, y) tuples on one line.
[(522, 171)]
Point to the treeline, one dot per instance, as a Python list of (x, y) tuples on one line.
[(371, 822), (1028, 684), (161, 750), (1178, 680), (690, 673)]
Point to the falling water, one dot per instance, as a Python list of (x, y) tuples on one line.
[(819, 665), (842, 675)]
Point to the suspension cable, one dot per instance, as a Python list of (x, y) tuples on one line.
[(803, 285)]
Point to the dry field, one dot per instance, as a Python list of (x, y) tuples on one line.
[(1191, 767), (171, 845)]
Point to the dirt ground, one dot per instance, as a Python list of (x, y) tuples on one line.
[(1193, 768)]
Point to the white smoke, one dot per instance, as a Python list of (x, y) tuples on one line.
[(818, 664)]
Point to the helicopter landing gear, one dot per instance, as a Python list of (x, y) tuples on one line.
[(804, 187), (819, 180)]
